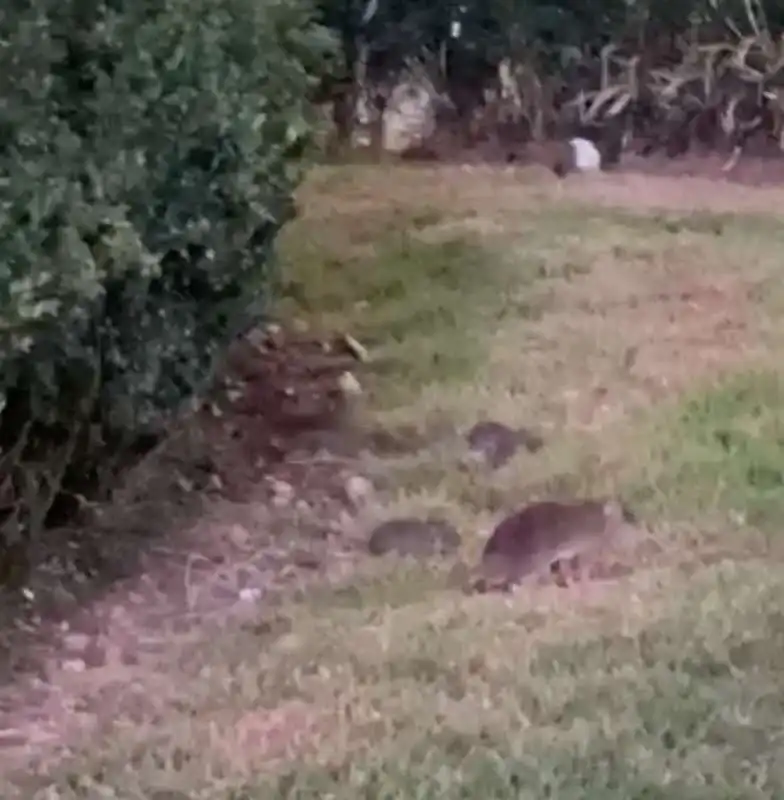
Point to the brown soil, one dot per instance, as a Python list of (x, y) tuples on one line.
[(264, 508)]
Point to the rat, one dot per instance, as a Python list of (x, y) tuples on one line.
[(409, 536), (547, 534), (496, 443)]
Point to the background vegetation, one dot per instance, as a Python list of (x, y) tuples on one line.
[(667, 71)]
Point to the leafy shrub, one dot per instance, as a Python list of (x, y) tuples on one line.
[(148, 152)]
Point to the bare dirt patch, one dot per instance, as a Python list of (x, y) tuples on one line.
[(751, 170), (276, 445), (698, 326), (660, 190), (703, 329)]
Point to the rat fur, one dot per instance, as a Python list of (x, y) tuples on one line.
[(545, 535)]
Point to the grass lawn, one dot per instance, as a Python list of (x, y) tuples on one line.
[(637, 322)]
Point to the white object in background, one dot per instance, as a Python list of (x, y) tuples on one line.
[(586, 155)]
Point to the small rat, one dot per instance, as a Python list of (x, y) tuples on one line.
[(409, 536), (546, 534), (496, 443)]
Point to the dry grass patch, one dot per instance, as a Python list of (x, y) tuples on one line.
[(651, 688), (620, 335), (686, 194)]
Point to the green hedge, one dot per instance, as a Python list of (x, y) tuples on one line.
[(148, 152)]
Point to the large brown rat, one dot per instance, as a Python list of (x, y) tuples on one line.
[(547, 534)]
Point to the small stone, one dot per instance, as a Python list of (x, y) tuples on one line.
[(282, 493), (234, 395), (274, 338), (355, 348), (290, 643), (358, 489), (185, 484), (238, 535), (250, 595), (349, 385), (77, 641), (75, 665)]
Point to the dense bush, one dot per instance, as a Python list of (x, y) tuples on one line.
[(148, 152)]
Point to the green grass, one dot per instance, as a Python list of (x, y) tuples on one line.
[(417, 304), (651, 713), (665, 683), (722, 450)]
